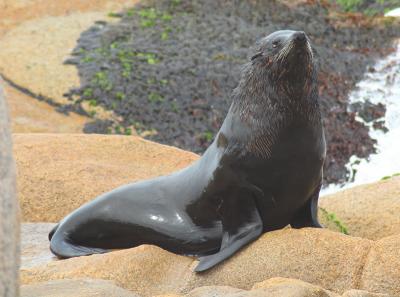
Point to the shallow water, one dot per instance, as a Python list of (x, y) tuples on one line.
[(380, 86)]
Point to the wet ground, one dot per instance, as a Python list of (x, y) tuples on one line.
[(167, 68)]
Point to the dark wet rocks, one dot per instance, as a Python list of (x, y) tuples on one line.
[(169, 67), (371, 114), (368, 111)]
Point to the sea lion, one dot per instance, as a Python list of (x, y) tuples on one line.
[(262, 172)]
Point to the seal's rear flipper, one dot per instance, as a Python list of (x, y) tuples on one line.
[(307, 216), (64, 249), (239, 228)]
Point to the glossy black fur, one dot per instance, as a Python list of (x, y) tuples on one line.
[(262, 172)]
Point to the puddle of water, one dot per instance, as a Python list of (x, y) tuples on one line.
[(380, 86)]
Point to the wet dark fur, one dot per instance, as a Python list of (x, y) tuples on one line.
[(262, 172)]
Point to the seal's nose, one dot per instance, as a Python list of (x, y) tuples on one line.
[(299, 36)]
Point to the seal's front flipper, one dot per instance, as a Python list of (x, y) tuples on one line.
[(240, 227), (307, 216)]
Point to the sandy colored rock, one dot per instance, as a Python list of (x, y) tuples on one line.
[(32, 54), (35, 244), (9, 209), (215, 291), (147, 270), (40, 35), (75, 288), (29, 115), (14, 12), (381, 272), (275, 287), (362, 293), (327, 259), (368, 211), (323, 258), (279, 286), (58, 173)]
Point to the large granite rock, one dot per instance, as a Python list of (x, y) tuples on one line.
[(9, 219), (274, 287), (35, 244), (36, 36), (35, 51), (58, 173), (40, 35), (277, 287), (15, 12), (323, 258), (369, 211), (75, 288), (30, 115)]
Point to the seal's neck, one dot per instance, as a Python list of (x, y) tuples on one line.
[(262, 92)]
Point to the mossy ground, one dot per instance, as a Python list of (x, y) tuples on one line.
[(331, 221), (368, 7)]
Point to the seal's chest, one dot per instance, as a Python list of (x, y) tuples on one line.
[(297, 142)]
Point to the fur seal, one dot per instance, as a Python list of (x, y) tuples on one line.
[(262, 172)]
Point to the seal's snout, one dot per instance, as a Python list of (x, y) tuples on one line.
[(299, 37)]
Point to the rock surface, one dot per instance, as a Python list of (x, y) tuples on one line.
[(369, 211), (75, 288), (32, 54), (35, 244), (14, 12), (137, 269), (58, 173), (277, 287), (32, 116), (9, 219), (381, 272), (274, 287), (35, 38), (320, 257)]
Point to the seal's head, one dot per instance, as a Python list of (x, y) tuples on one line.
[(287, 59)]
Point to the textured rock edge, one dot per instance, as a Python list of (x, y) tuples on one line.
[(9, 212)]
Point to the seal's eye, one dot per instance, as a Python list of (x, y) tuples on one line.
[(275, 44)]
